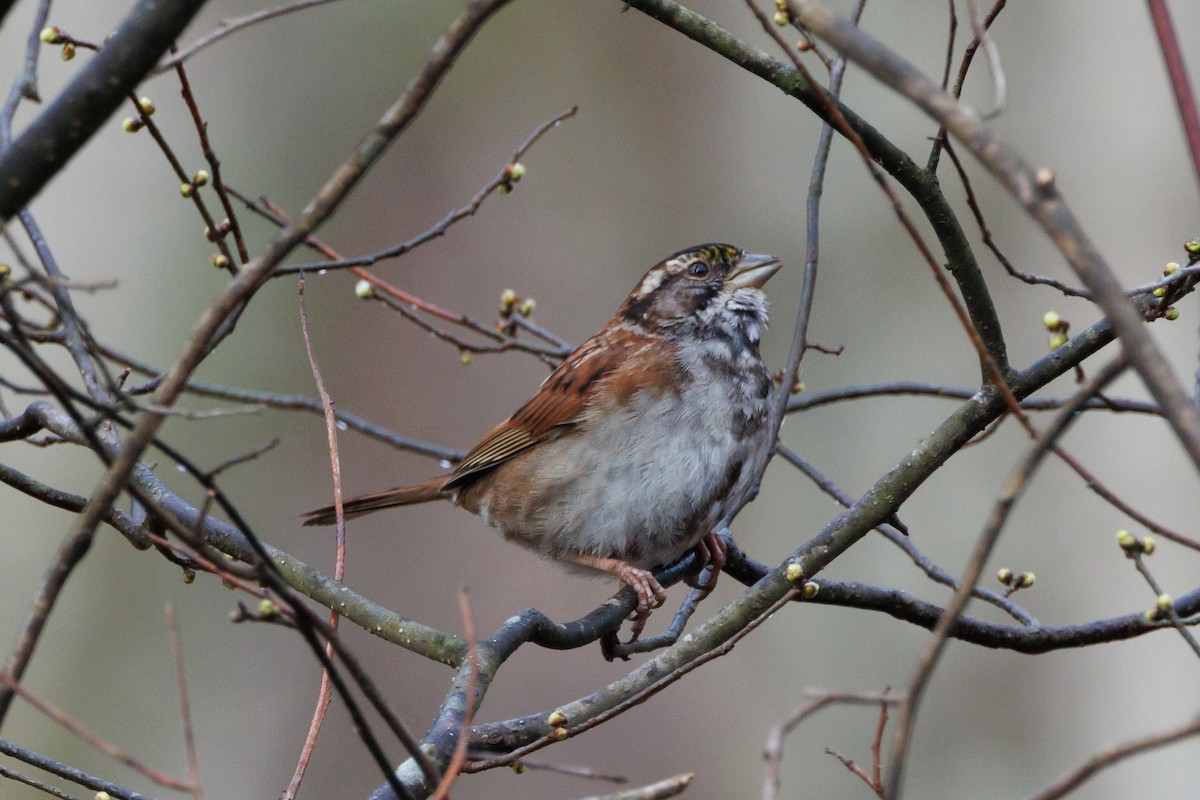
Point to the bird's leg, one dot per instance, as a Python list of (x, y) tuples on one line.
[(711, 552), (650, 593)]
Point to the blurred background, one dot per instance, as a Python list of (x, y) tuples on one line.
[(672, 146)]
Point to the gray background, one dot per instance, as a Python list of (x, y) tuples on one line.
[(672, 146)]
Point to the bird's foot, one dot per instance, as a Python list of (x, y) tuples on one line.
[(650, 593), (711, 555)]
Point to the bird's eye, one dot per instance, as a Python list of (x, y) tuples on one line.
[(697, 269)]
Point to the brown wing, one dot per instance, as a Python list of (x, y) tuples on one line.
[(559, 403)]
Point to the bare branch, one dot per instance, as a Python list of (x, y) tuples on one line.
[(1113, 756), (233, 25)]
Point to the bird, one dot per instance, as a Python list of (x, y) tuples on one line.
[(635, 446)]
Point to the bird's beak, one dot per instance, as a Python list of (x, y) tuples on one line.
[(752, 271)]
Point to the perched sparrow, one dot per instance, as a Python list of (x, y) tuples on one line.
[(631, 449)]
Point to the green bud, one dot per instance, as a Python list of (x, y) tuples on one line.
[(131, 125), (1057, 340), (1148, 545), (363, 290), (782, 18), (794, 572), (1163, 603), (1005, 576), (147, 106), (560, 733), (527, 306), (810, 590), (200, 178), (1025, 580), (51, 35), (514, 172), (464, 357), (1126, 540), (1171, 268), (68, 51), (1160, 291), (1051, 320), (1172, 313), (219, 260), (557, 719), (508, 299), (1192, 246), (186, 189)]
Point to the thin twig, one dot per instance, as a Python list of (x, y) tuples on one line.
[(233, 25), (815, 399), (46, 788), (773, 748), (1181, 88), (660, 790), (72, 774), (1113, 756), (1169, 612), (574, 771), (897, 538), (218, 232), (999, 82), (325, 692), (985, 233), (93, 740), (185, 708), (503, 178)]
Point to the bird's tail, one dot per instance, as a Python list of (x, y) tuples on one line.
[(421, 492)]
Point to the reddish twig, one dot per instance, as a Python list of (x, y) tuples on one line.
[(218, 233), (1113, 756), (185, 708), (325, 693), (854, 768), (93, 740), (1181, 87), (773, 749)]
